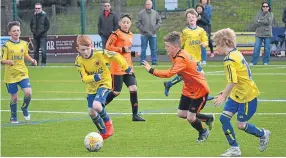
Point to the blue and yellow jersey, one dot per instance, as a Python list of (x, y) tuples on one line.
[(237, 71), (97, 64), (191, 41), (15, 51)]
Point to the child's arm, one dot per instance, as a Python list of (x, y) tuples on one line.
[(113, 56), (110, 44), (4, 57), (30, 59), (224, 94), (179, 65), (86, 78), (204, 39)]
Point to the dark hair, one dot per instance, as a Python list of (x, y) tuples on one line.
[(267, 4), (199, 5), (38, 4), (208, 1), (13, 23), (122, 15)]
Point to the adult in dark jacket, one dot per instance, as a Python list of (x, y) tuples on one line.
[(39, 26), (204, 23), (284, 17), (107, 23)]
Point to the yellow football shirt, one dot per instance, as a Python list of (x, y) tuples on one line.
[(15, 51), (97, 64), (191, 41), (237, 71)]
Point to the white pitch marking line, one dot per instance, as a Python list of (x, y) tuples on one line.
[(125, 99), (119, 113)]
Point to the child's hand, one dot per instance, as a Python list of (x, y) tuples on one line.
[(10, 62), (35, 62), (146, 65), (219, 99), (204, 44), (212, 55)]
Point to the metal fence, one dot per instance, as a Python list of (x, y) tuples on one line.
[(236, 14)]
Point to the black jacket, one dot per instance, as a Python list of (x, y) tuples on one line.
[(284, 17), (40, 25), (203, 22), (107, 25)]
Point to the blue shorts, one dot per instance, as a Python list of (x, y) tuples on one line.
[(100, 96), (244, 110), (13, 88)]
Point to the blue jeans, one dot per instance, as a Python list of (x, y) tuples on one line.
[(204, 53), (257, 46), (40, 43), (153, 46), (103, 40)]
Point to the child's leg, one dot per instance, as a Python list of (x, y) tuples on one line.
[(130, 82), (117, 81), (245, 112), (13, 89), (26, 87), (169, 84)]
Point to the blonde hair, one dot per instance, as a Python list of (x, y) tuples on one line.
[(173, 38), (191, 11), (225, 38), (83, 40)]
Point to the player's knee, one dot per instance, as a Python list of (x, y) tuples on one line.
[(116, 93), (28, 93), (133, 88), (241, 125), (91, 113), (223, 119), (97, 106), (14, 98), (181, 115), (191, 118)]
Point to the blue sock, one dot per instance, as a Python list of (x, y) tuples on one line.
[(104, 115), (175, 80), (99, 124), (13, 108), (228, 130), (251, 129), (25, 105)]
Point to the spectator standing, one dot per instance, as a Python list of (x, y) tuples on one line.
[(284, 17), (39, 26), (149, 21), (107, 23), (204, 23), (208, 12), (263, 33)]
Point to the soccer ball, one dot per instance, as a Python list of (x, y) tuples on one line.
[(93, 142)]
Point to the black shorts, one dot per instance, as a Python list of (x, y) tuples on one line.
[(192, 105), (117, 81)]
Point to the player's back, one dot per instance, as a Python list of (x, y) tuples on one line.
[(195, 85), (238, 71), (116, 42), (15, 51)]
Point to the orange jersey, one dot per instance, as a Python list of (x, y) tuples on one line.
[(116, 41), (195, 84)]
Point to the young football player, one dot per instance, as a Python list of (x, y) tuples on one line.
[(91, 65), (121, 41), (195, 90), (14, 51), (193, 38), (240, 94)]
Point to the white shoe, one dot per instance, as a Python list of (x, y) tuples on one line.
[(232, 152), (12, 121), (250, 64), (265, 63), (264, 140), (204, 63), (27, 118)]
